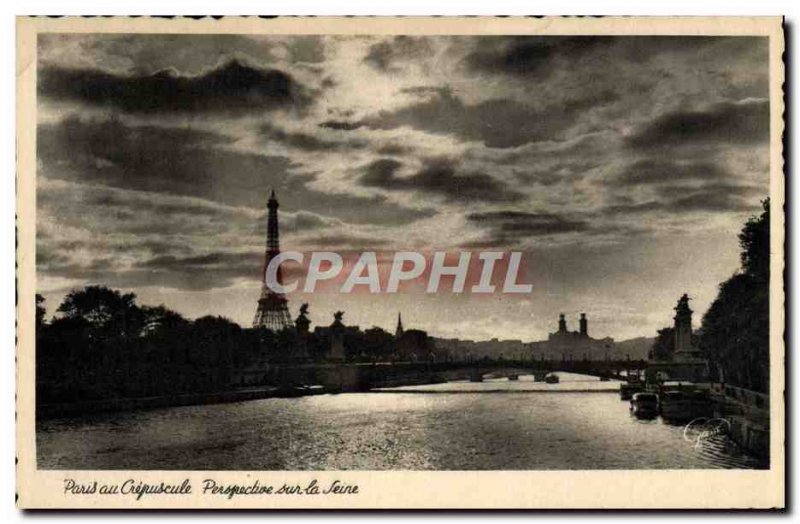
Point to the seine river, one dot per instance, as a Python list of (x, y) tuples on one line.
[(495, 424)]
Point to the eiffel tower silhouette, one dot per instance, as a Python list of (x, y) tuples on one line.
[(273, 310)]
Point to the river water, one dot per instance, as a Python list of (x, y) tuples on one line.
[(578, 424)]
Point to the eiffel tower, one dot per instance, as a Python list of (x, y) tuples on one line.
[(273, 311)]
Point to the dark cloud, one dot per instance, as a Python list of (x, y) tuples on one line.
[(385, 55), (123, 229), (381, 173), (634, 208), (514, 224), (726, 123), (649, 171), (106, 211), (195, 273), (156, 223), (730, 186), (528, 55), (709, 198), (211, 270), (345, 241), (191, 163), (249, 260), (722, 198), (144, 239), (508, 229), (231, 87), (499, 242), (307, 141), (639, 49), (424, 91), (710, 201), (394, 149), (340, 125), (590, 100), (47, 258), (540, 56), (440, 177), (498, 123)]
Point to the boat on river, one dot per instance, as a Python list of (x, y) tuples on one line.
[(552, 379), (684, 405), (298, 391), (644, 405)]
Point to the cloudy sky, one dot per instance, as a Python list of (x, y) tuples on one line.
[(622, 166)]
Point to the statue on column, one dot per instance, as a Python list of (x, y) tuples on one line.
[(302, 322)]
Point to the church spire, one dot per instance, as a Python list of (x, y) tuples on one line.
[(399, 331)]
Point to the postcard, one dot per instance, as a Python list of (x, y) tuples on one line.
[(410, 263)]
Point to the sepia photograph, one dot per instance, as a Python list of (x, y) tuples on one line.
[(325, 250)]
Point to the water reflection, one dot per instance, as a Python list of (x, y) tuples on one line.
[(496, 424)]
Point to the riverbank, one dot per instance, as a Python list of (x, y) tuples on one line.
[(749, 415)]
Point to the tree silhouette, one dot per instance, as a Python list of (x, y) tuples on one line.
[(664, 344), (754, 241), (108, 311), (735, 329)]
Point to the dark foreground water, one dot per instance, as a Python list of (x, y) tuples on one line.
[(491, 425)]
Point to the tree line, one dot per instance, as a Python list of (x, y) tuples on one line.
[(101, 344)]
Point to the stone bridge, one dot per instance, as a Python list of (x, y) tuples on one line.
[(367, 376)]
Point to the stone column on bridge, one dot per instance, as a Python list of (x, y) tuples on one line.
[(683, 325), (302, 324), (337, 353)]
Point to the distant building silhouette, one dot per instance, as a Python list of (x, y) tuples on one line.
[(414, 344), (573, 344), (564, 334), (560, 344)]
